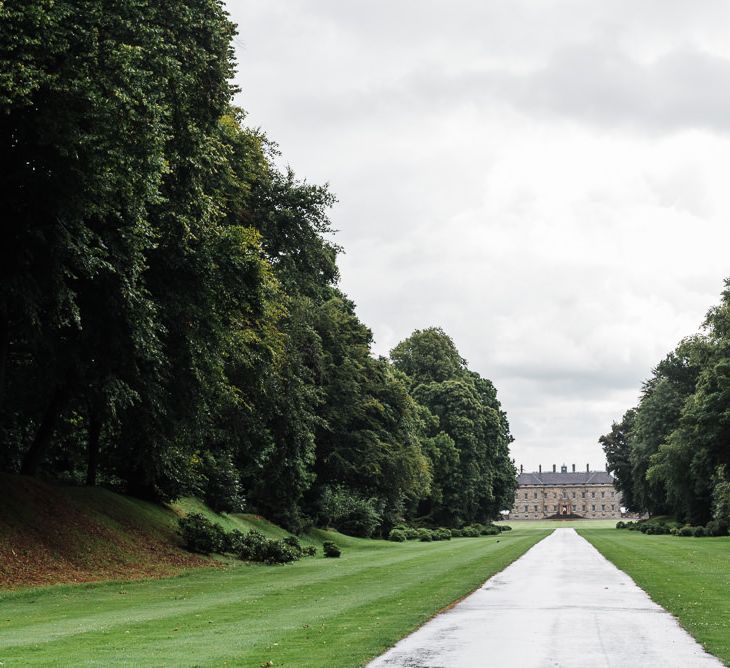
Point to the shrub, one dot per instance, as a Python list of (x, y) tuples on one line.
[(201, 535), (685, 531), (232, 541), (457, 533), (504, 527), (252, 546), (350, 513), (293, 543), (279, 552), (717, 528), (620, 525), (331, 550), (699, 532), (309, 551), (489, 530), (425, 535), (442, 534), (470, 532), (397, 535)]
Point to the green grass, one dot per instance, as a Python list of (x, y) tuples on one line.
[(317, 612), (689, 577)]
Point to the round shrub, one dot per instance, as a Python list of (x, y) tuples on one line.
[(442, 534), (201, 535), (470, 532), (397, 536), (620, 525), (504, 527), (309, 551), (489, 530), (293, 543), (717, 528), (232, 541), (331, 550), (699, 532), (279, 552), (425, 535), (252, 546), (349, 512), (685, 531)]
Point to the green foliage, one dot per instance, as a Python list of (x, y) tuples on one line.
[(349, 513), (201, 535), (397, 536), (331, 550), (467, 434), (675, 440), (170, 298)]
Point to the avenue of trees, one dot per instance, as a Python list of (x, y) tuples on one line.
[(671, 453), (170, 317)]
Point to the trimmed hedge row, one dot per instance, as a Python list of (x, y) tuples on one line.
[(663, 527), (201, 535), (402, 533)]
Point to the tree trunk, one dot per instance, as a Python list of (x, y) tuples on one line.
[(92, 464), (44, 435)]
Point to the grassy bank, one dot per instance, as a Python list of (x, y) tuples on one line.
[(690, 577), (317, 612)]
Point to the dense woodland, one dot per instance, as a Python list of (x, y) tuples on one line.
[(671, 453), (170, 317)]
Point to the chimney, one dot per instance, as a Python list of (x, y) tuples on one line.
[(540, 468), (588, 468), (573, 468), (553, 468), (520, 468)]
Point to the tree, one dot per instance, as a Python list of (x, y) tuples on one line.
[(617, 447)]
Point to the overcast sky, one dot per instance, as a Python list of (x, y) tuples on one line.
[(549, 181)]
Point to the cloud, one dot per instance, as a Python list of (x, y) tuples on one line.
[(545, 180)]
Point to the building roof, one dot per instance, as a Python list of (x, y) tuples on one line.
[(558, 479)]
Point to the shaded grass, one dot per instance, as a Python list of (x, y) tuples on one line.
[(689, 577), (317, 612)]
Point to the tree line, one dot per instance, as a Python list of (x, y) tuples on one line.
[(170, 316), (671, 453)]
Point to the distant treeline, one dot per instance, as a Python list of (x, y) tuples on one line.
[(170, 321), (671, 453)]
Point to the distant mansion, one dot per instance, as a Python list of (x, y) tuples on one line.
[(588, 494)]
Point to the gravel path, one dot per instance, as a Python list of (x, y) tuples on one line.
[(560, 604)]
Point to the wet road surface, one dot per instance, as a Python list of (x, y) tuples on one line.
[(560, 604)]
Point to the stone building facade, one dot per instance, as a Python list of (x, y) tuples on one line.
[(587, 494)]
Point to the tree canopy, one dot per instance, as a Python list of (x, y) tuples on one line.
[(170, 316)]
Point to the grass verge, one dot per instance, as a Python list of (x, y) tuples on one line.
[(689, 577), (317, 612)]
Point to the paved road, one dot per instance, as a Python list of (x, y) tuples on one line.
[(560, 604)]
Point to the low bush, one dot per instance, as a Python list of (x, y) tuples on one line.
[(349, 512), (252, 547), (293, 543), (201, 535), (699, 532), (457, 533), (685, 531), (620, 525), (331, 550), (504, 527), (279, 552), (233, 541), (470, 532), (309, 551), (489, 530), (397, 536), (442, 534), (425, 535), (717, 528)]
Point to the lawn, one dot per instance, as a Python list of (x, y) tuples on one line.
[(317, 612), (690, 577), (561, 524)]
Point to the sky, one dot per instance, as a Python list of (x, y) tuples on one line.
[(545, 180)]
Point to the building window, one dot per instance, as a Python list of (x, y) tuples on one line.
[(603, 494), (525, 508), (613, 507), (603, 506), (535, 508), (573, 494), (593, 507), (583, 494), (584, 506), (593, 494)]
